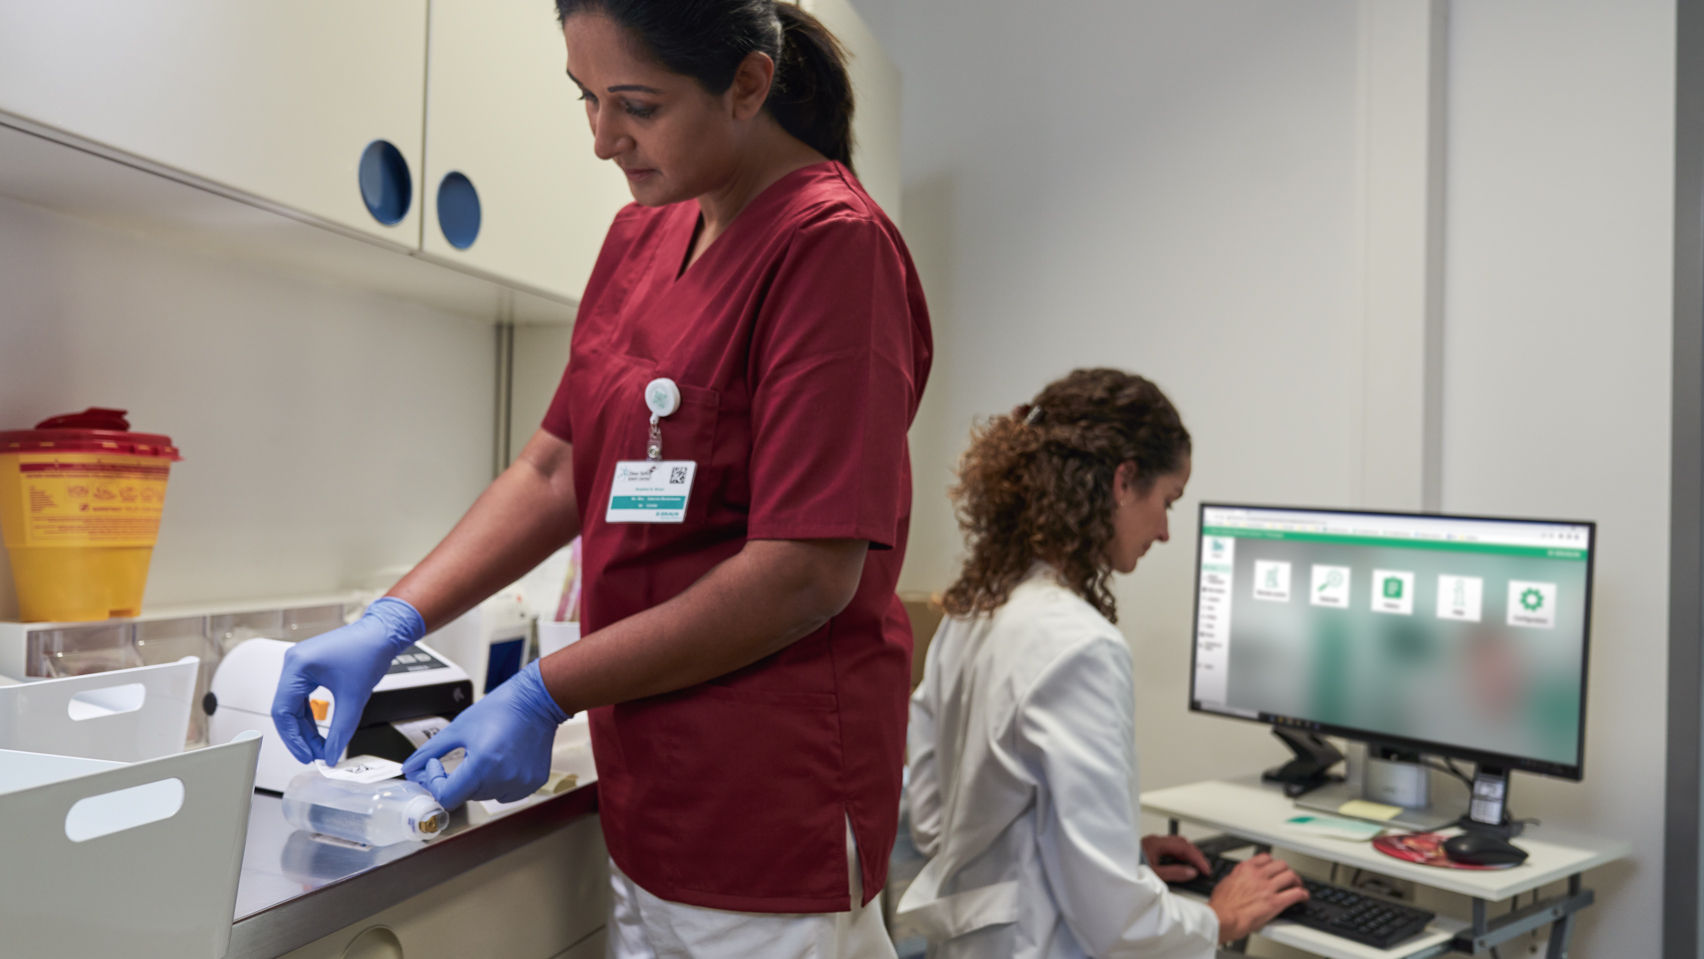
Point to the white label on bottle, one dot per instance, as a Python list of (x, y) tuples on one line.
[(361, 769)]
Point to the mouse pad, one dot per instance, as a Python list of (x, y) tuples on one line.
[(1426, 848)]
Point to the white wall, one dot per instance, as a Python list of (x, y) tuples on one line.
[(882, 17), (541, 357), (1559, 263), (1165, 187), (1171, 187), (326, 432)]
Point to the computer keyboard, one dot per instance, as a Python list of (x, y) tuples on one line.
[(1334, 909)]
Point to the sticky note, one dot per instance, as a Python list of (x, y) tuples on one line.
[(1362, 809)]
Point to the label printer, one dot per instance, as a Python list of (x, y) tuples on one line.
[(418, 695)]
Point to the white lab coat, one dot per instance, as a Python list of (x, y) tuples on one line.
[(1023, 792)]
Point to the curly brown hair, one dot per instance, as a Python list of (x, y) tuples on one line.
[(1037, 484)]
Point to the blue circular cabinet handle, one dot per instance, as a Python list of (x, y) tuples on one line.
[(386, 187), (458, 210)]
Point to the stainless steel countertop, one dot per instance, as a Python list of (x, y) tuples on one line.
[(295, 888)]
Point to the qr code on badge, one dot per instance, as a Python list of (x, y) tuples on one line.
[(677, 475)]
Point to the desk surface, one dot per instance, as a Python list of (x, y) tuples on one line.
[(1247, 808), (294, 888)]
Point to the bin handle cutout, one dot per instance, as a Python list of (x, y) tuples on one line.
[(107, 701), (95, 816)]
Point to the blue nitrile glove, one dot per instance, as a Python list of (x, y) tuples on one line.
[(507, 736), (349, 661)]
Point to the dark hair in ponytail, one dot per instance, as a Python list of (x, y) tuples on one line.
[(811, 95), (1037, 484)]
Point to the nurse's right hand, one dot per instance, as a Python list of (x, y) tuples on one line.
[(349, 661), (1254, 894), (505, 739)]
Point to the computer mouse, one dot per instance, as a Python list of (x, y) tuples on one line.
[(1479, 849)]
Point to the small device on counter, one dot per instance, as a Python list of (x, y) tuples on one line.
[(488, 641), (1487, 827), (420, 692)]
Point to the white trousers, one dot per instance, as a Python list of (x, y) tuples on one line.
[(643, 926)]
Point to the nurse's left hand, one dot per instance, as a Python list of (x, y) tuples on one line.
[(1174, 858), (507, 736)]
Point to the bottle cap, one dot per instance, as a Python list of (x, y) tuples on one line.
[(426, 817)]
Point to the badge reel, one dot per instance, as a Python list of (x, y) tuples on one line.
[(653, 490)]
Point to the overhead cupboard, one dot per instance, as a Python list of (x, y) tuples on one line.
[(442, 129), (326, 110)]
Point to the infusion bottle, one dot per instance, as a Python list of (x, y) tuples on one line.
[(375, 814)]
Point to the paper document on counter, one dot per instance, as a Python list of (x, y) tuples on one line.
[(1335, 828)]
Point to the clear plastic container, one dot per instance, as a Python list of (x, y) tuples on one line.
[(81, 650), (374, 814)]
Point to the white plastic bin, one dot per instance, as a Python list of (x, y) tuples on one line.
[(125, 715), (108, 859)]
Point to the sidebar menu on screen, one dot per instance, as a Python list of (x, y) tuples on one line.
[(1213, 619)]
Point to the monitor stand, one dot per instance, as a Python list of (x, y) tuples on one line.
[(1310, 768), (1391, 779)]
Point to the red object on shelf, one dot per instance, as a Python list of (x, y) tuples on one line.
[(1425, 848)]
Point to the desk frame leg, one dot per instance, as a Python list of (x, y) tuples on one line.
[(1563, 928), (1557, 912), (1560, 930)]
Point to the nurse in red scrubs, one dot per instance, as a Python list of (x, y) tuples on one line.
[(730, 440)]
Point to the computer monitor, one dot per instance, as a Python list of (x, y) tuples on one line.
[(1454, 636)]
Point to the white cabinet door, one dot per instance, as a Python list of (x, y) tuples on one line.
[(502, 113), (275, 101), (875, 97), (546, 898)]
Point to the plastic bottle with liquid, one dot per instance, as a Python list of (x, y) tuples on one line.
[(375, 814)]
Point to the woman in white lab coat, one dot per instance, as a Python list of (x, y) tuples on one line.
[(1023, 773)]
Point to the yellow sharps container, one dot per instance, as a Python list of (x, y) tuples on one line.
[(80, 504)]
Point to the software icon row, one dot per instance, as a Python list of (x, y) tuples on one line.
[(1391, 591)]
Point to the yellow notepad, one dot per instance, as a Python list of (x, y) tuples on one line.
[(1362, 809)]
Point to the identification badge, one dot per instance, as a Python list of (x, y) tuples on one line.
[(650, 491)]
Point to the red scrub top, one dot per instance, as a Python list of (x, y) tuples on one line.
[(800, 343)]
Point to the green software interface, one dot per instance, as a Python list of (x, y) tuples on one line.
[(1458, 632)]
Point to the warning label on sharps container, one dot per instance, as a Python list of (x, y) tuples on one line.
[(92, 499)]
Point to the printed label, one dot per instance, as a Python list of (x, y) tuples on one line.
[(417, 731), (361, 769), (103, 501)]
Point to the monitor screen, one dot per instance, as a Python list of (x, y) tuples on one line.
[(1454, 635)]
